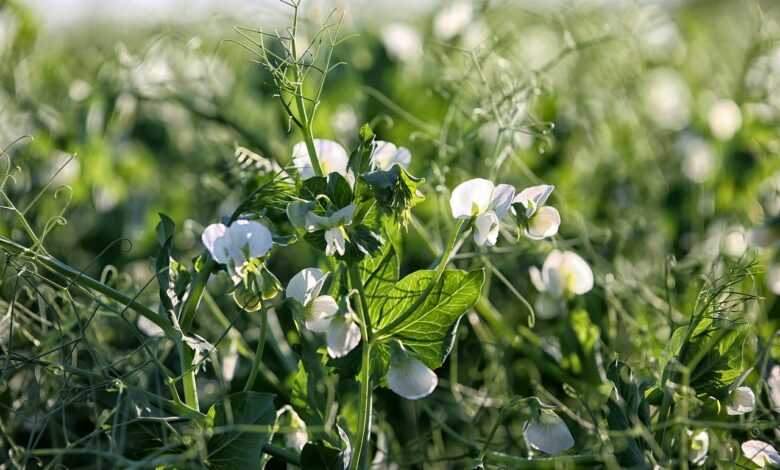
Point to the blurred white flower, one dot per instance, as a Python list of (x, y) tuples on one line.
[(318, 310), (236, 245), (725, 119), (564, 273), (79, 90), (409, 377), (761, 453), (230, 358), (487, 202), (297, 437), (667, 99), (548, 433), (773, 278), (735, 241), (698, 158), (345, 120), (699, 446), (452, 19), (539, 46), (541, 221), (402, 42), (773, 382), (386, 154), (332, 157), (741, 401)]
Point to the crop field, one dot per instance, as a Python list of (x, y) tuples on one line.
[(358, 235)]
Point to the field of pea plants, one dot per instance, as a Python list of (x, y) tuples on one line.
[(355, 235)]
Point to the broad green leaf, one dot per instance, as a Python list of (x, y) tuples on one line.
[(241, 449), (426, 326), (320, 455)]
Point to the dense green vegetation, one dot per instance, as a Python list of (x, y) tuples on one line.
[(125, 343)]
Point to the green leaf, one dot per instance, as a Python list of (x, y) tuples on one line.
[(320, 455), (339, 190), (166, 228), (425, 325), (240, 449)]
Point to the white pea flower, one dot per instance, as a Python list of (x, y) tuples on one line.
[(319, 310), (343, 334), (564, 273), (402, 42), (548, 433), (452, 19), (773, 381), (236, 245), (541, 221), (332, 157), (335, 234), (487, 202), (741, 401), (409, 377), (725, 119), (295, 435), (761, 453), (386, 154), (700, 446)]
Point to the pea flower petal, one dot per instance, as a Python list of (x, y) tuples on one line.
[(471, 198), (548, 433), (320, 313), (410, 378), (236, 244), (543, 224), (742, 401), (332, 157), (386, 154), (761, 453), (343, 335), (306, 285), (700, 446), (563, 273)]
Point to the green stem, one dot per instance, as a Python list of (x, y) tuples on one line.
[(74, 275), (187, 316), (303, 119), (365, 410), (257, 360), (366, 395)]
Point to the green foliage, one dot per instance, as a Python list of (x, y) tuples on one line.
[(241, 424)]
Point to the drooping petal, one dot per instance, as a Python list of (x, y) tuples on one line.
[(761, 453), (773, 381), (251, 238), (297, 212), (471, 198), (536, 278), (742, 401), (343, 335), (386, 154), (486, 228), (215, 240), (534, 197), (335, 241), (700, 446), (548, 433), (551, 273), (410, 378), (344, 215), (543, 223), (305, 285), (331, 155), (320, 313), (501, 199), (577, 273)]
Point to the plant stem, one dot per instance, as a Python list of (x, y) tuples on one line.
[(74, 275), (256, 361), (303, 119), (186, 318), (366, 394), (365, 410)]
